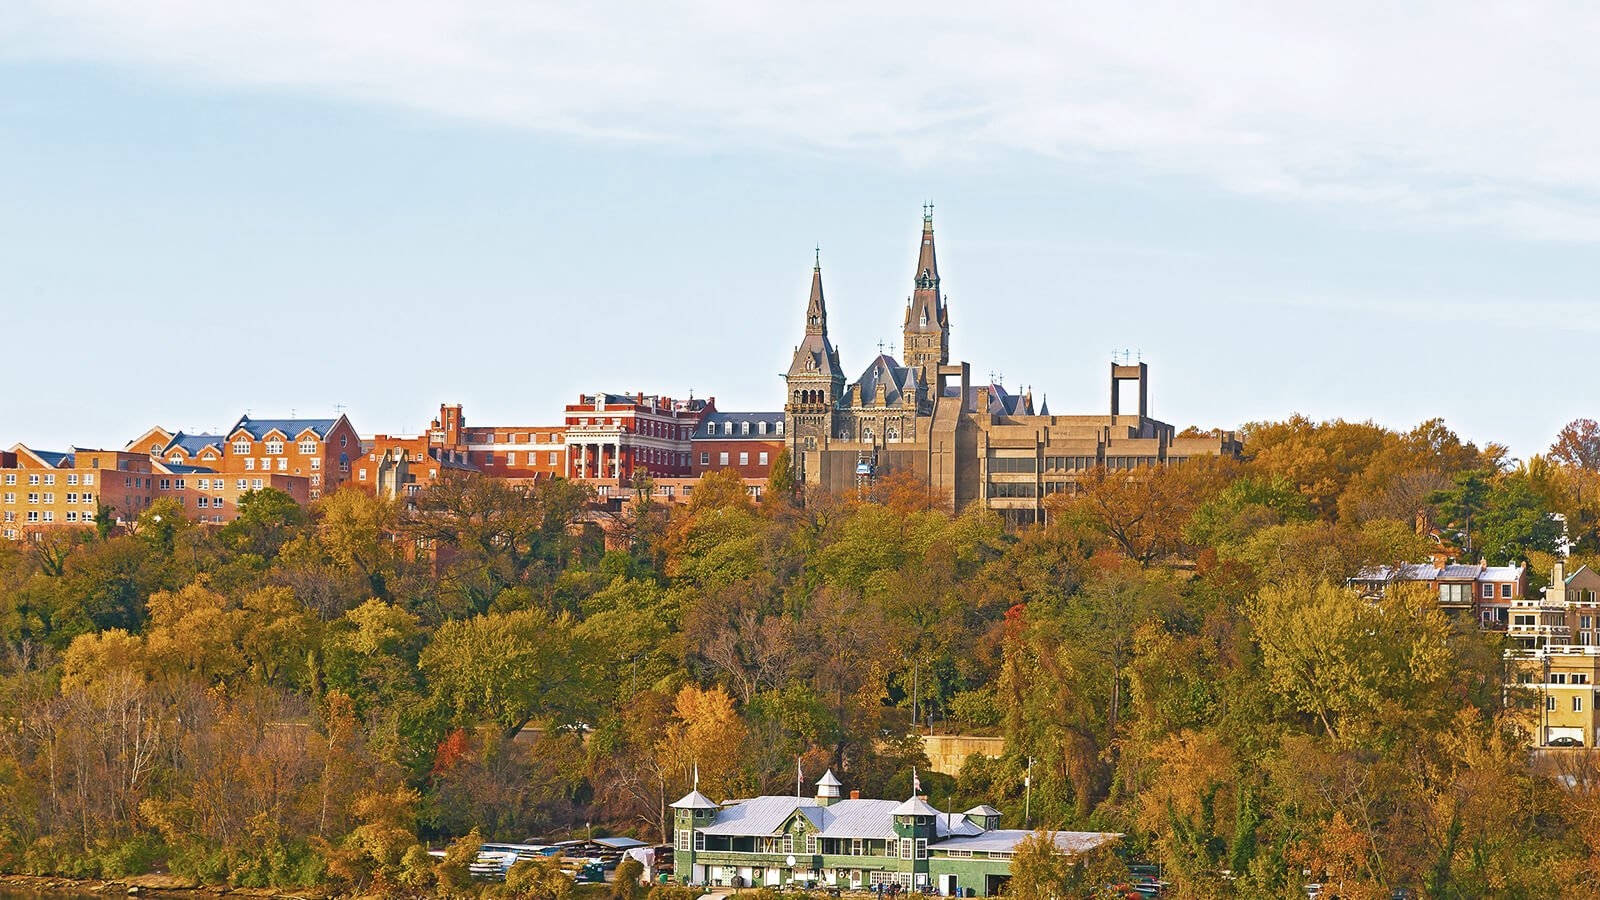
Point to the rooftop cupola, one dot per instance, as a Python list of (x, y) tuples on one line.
[(827, 789)]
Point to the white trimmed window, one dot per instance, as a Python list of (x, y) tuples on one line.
[(316, 462), (683, 839), (241, 448), (274, 448), (242, 484), (88, 479), (255, 484), (308, 447), (72, 479), (250, 464), (49, 479)]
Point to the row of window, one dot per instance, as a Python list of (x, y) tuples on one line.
[(744, 458), (48, 516), (50, 478), (1577, 704), (275, 448), (34, 498), (743, 428)]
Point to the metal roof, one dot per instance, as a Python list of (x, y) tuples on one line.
[(916, 806), (859, 818), (1005, 840), (695, 800), (984, 810), (828, 780), (756, 816)]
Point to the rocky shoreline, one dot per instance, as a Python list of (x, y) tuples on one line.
[(145, 885)]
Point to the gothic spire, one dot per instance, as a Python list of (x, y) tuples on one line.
[(816, 309), (926, 312)]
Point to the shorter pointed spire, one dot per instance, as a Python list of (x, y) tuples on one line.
[(816, 307)]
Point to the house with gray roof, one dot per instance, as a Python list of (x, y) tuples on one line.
[(850, 842)]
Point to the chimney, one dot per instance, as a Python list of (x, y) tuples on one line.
[(855, 795), (1439, 559)]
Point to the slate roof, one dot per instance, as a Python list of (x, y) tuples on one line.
[(53, 458), (897, 380), (815, 356), (714, 425), (291, 427), (194, 443)]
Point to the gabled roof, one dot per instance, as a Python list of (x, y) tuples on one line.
[(51, 459), (815, 356), (291, 428), (193, 443), (896, 379), (756, 816)]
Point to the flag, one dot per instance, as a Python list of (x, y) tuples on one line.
[(916, 783), (799, 776), (697, 774)]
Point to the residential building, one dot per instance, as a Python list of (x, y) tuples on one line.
[(747, 441), (850, 843), (1486, 594), (968, 442)]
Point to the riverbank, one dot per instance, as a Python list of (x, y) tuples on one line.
[(140, 886)]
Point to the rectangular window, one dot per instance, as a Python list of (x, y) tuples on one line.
[(250, 464), (33, 515), (72, 496), (178, 483), (699, 841), (86, 516), (72, 479), (1505, 591), (762, 459), (317, 479), (907, 847), (49, 497), (49, 479), (240, 448), (274, 448), (88, 479), (316, 463), (855, 847), (255, 484), (705, 459), (922, 848), (744, 459), (283, 464), (33, 497), (308, 447), (216, 502), (1488, 591), (1550, 704), (72, 515), (10, 498), (49, 515), (811, 844), (166, 484), (33, 479), (241, 484), (554, 460), (203, 502), (10, 478), (88, 498), (1577, 704), (361, 475), (683, 839), (1454, 593), (511, 457), (722, 459)]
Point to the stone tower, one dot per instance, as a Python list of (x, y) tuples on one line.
[(927, 325), (815, 380)]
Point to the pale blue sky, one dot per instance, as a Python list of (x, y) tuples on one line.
[(212, 208)]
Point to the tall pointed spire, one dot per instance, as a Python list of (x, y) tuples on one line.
[(927, 325), (816, 309)]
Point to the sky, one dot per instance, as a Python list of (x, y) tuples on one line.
[(1384, 211)]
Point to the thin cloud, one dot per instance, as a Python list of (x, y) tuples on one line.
[(1466, 115)]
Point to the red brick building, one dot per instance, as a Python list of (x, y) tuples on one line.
[(610, 437), (747, 441), (406, 464)]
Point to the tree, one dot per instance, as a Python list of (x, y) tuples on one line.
[(265, 521), (1578, 445), (508, 668), (1040, 870)]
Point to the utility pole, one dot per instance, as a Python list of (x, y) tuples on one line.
[(916, 698), (1027, 796)]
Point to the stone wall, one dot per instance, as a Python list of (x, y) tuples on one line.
[(946, 752)]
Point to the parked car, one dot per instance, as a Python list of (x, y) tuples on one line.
[(1565, 742)]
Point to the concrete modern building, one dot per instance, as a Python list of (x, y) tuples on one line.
[(849, 842), (969, 442)]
